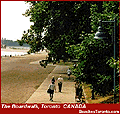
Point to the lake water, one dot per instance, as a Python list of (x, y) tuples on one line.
[(18, 47), (4, 53), (8, 51)]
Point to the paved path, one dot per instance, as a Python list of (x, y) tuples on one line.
[(68, 89)]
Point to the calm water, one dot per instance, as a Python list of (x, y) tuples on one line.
[(14, 53), (3, 53)]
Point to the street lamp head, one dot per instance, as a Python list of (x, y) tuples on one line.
[(100, 34)]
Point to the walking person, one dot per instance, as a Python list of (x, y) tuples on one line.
[(53, 79), (60, 82), (78, 87), (80, 91), (69, 73), (74, 65), (52, 88)]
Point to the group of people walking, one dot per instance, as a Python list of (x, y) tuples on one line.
[(59, 81), (52, 86)]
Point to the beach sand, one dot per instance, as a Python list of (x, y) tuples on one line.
[(20, 79)]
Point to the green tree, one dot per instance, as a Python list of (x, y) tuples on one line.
[(69, 30), (62, 21), (95, 64)]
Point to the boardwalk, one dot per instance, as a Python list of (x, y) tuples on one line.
[(68, 89)]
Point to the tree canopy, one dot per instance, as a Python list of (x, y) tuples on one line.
[(61, 22), (95, 57), (69, 28)]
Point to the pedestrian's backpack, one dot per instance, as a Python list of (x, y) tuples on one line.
[(49, 89)]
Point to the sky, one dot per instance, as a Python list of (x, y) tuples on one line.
[(13, 23)]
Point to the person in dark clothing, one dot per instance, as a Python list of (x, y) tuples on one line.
[(52, 88), (53, 79), (80, 92), (78, 87)]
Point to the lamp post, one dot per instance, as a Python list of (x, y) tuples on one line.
[(101, 35)]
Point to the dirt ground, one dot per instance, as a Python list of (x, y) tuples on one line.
[(19, 79)]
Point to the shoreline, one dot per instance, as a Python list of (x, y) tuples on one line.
[(17, 52), (13, 52), (20, 79), (18, 48)]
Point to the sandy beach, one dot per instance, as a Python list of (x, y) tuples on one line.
[(20, 79)]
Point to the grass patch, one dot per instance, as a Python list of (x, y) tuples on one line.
[(98, 98), (68, 63)]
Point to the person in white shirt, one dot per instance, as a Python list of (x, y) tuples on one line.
[(60, 82)]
